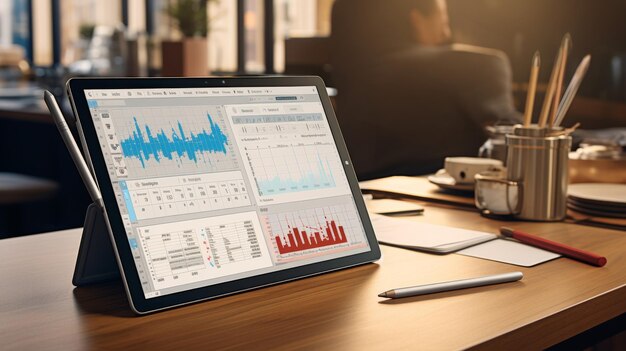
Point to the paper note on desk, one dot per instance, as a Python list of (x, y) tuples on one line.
[(424, 236), (509, 251), (393, 207)]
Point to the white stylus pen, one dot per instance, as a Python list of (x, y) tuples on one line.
[(453, 285), (72, 147)]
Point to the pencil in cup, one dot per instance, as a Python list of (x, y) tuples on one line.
[(565, 49), (532, 89), (547, 101)]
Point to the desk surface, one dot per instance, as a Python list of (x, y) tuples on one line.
[(556, 300)]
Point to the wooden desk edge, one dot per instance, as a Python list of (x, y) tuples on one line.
[(551, 330)]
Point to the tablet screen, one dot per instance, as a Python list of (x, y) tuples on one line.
[(220, 184)]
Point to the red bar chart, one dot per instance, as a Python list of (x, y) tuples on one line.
[(300, 239), (311, 232)]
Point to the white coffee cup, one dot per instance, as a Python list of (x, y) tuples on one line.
[(493, 192), (464, 169)]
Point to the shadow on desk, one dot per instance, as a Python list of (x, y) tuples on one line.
[(323, 303), (109, 299), (105, 299)]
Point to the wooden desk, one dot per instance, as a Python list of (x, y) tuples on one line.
[(39, 308)]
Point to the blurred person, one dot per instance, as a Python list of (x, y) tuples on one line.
[(407, 95)]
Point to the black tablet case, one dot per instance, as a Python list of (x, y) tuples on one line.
[(96, 259)]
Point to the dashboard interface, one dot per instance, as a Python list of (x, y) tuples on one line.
[(220, 184)]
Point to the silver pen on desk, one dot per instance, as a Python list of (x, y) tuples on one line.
[(72, 147), (452, 285)]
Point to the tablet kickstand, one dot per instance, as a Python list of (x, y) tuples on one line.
[(96, 260)]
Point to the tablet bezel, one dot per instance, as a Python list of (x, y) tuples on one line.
[(128, 270)]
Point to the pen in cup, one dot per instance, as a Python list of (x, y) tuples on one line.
[(572, 89)]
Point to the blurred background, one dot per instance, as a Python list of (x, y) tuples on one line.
[(45, 42)]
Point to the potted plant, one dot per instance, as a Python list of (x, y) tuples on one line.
[(188, 56)]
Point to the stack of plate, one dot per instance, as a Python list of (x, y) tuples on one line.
[(605, 200)]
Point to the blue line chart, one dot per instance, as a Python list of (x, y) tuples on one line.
[(143, 144), (318, 177), (290, 168)]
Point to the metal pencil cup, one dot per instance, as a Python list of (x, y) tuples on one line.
[(538, 163)]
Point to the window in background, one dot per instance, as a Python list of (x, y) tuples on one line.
[(253, 26), (14, 25), (136, 17), (6, 22), (293, 18), (222, 41), (223, 36), (161, 27), (42, 32), (20, 26), (79, 17), (162, 23), (137, 38), (299, 18), (15, 44)]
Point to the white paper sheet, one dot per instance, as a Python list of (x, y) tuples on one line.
[(425, 236), (509, 251)]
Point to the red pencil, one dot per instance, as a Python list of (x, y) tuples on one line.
[(567, 251)]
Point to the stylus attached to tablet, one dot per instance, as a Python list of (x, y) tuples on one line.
[(72, 147)]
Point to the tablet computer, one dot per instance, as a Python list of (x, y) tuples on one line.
[(213, 186)]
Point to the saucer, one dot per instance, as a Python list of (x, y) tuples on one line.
[(445, 181)]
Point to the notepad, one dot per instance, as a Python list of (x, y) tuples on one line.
[(425, 236)]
